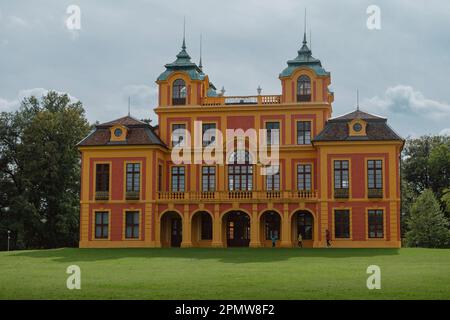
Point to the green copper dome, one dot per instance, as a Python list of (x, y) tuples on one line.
[(304, 59)]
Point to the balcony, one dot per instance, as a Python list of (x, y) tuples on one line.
[(218, 196), (132, 195), (241, 100), (341, 193), (102, 195), (375, 193)]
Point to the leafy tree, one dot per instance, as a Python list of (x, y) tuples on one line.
[(427, 225), (446, 201), (426, 163), (39, 171)]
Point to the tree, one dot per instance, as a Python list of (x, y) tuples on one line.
[(446, 201), (427, 225), (39, 171)]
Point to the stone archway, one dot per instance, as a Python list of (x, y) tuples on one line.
[(171, 229), (201, 229), (270, 226), (236, 226), (302, 221)]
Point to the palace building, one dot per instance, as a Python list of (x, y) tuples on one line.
[(338, 176)]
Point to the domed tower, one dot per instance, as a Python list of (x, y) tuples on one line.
[(304, 80), (183, 83)]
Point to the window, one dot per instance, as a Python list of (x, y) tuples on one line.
[(303, 132), (375, 223), (102, 177), (240, 172), (303, 89), (342, 223), (132, 225), (101, 225), (304, 177), (375, 178), (273, 178), (206, 222), (341, 178), (133, 177), (208, 133), (160, 177), (178, 134), (208, 178), (273, 133), (178, 179), (179, 92), (272, 225)]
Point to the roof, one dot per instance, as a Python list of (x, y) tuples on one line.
[(138, 133), (377, 129), (183, 63), (304, 59)]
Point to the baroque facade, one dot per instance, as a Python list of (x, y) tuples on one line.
[(338, 177)]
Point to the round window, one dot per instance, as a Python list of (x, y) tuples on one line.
[(357, 127), (118, 132)]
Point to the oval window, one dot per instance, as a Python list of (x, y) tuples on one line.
[(118, 132), (357, 127)]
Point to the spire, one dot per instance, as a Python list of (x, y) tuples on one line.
[(129, 105), (200, 65), (357, 99), (304, 30), (184, 34)]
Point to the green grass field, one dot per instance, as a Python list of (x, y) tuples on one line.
[(225, 274)]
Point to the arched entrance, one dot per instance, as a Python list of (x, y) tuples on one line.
[(237, 228), (171, 229), (270, 226), (202, 229), (303, 223)]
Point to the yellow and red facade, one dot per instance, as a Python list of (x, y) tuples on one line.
[(312, 212)]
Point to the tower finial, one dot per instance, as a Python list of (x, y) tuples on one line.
[(304, 30), (310, 39), (129, 105), (200, 62), (357, 99), (184, 33)]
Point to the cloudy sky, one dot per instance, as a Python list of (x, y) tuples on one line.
[(402, 70)]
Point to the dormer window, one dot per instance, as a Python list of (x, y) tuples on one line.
[(357, 128), (118, 133), (179, 92), (303, 89)]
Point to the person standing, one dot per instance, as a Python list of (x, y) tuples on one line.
[(300, 240), (328, 238), (274, 240)]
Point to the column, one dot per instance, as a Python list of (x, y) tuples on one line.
[(186, 232), (217, 229), (286, 232), (254, 228)]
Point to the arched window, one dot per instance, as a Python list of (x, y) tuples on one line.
[(303, 88), (179, 92), (240, 171)]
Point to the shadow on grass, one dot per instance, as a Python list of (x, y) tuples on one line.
[(228, 255)]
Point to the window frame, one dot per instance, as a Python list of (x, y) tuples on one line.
[(178, 174), (305, 175), (303, 139), (209, 126), (273, 181), (338, 223), (101, 225), (376, 226), (211, 178), (133, 174), (269, 141), (133, 225), (304, 84), (177, 97), (179, 142), (373, 171), (108, 172)]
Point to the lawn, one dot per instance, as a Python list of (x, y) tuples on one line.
[(225, 273)]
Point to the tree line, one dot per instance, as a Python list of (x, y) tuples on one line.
[(40, 178)]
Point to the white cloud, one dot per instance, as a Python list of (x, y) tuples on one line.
[(405, 100), (445, 132), (11, 105)]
